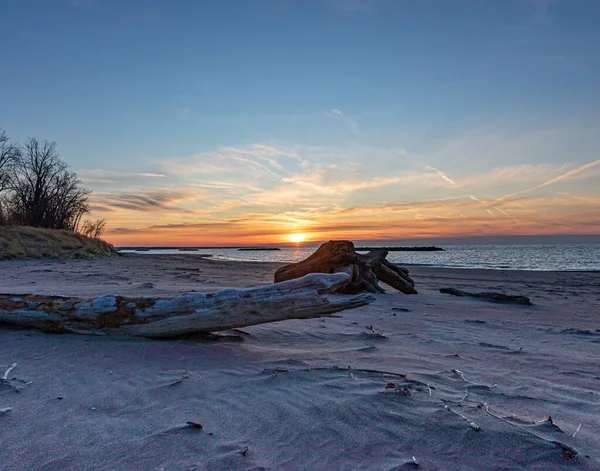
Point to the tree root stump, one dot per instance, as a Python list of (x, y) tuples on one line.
[(365, 270)]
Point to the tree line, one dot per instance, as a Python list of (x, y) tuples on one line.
[(38, 189)]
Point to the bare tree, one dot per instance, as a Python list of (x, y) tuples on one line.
[(8, 154), (93, 228), (44, 193)]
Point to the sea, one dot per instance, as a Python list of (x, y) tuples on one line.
[(549, 257)]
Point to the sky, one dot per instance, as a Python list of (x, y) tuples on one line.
[(240, 122)]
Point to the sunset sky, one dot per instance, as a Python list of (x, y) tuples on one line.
[(224, 122)]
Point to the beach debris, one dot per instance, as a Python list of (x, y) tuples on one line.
[(180, 380), (185, 314), (568, 450), (364, 270), (472, 424), (196, 425), (404, 391), (577, 431), (462, 376), (4, 410), (7, 372), (374, 332), (244, 451), (491, 296), (401, 309), (9, 383)]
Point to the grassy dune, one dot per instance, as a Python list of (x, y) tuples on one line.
[(33, 242)]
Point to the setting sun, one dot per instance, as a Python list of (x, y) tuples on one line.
[(297, 237)]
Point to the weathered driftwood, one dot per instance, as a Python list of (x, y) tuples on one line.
[(365, 270), (496, 297), (185, 314)]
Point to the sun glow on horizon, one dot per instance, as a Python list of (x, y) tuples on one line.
[(296, 238)]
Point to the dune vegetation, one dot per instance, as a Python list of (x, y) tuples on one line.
[(37, 242), (43, 204)]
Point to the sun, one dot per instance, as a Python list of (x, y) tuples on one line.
[(297, 237)]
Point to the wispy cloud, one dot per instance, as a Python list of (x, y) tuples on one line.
[(152, 175), (265, 190), (99, 176), (571, 173), (565, 176), (442, 175), (163, 199), (348, 122)]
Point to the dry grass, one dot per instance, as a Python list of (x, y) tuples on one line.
[(33, 242)]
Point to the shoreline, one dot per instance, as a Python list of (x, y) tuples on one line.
[(18, 274), (533, 258), (278, 264)]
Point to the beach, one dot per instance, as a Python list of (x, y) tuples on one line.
[(427, 381)]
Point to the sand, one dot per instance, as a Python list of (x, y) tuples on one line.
[(298, 394)]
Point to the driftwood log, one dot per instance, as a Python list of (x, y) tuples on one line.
[(364, 270), (185, 314)]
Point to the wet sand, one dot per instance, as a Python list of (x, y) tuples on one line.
[(473, 386)]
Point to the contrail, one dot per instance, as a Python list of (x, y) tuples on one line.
[(562, 177), (442, 175)]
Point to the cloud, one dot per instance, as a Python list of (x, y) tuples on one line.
[(236, 163), (565, 176), (512, 175), (571, 173), (263, 191), (100, 176), (348, 122), (442, 175), (160, 199)]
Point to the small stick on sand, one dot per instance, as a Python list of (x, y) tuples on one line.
[(4, 410), (569, 451), (462, 375), (6, 373), (377, 334), (180, 380), (464, 397), (576, 431), (472, 424)]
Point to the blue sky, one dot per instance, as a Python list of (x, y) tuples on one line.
[(285, 114)]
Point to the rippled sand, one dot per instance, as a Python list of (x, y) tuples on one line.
[(453, 383)]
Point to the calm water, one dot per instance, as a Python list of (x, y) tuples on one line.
[(514, 257)]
